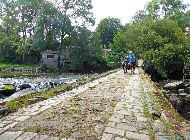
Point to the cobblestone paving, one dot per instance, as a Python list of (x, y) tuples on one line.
[(22, 115), (128, 120)]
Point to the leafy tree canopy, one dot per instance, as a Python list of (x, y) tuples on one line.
[(107, 28)]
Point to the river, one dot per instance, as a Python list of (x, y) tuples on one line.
[(39, 83)]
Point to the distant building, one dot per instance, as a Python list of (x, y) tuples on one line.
[(54, 60)]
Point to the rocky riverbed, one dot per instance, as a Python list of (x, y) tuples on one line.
[(24, 85), (178, 93)]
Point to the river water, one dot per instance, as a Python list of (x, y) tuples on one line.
[(39, 83)]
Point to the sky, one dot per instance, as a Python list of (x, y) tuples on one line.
[(122, 9)]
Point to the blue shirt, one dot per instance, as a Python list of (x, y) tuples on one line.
[(132, 58)]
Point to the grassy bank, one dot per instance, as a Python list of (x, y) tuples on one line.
[(22, 66), (24, 101)]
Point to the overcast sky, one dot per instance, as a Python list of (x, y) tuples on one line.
[(122, 9)]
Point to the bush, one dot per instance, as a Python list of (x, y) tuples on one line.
[(150, 69), (168, 61)]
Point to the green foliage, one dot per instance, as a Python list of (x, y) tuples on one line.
[(11, 65), (169, 9), (36, 129), (80, 51), (23, 74), (9, 87), (107, 28), (168, 60), (14, 105), (162, 42), (32, 26), (153, 35), (118, 48), (139, 16), (169, 49)]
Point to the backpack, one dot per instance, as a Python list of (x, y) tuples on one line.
[(133, 58)]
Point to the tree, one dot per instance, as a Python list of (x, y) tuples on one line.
[(164, 46), (153, 9), (139, 16), (118, 48), (153, 35), (107, 28), (42, 24), (18, 21), (73, 10), (168, 9), (182, 19), (80, 48), (8, 16), (170, 60), (165, 8)]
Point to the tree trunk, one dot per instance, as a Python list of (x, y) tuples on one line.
[(23, 58), (62, 39)]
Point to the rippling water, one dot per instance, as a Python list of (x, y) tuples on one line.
[(40, 83)]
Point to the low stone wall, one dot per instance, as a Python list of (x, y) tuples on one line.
[(17, 70)]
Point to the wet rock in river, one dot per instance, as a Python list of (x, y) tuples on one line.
[(174, 85), (187, 90), (51, 85), (166, 91), (24, 86), (4, 111), (181, 91), (2, 92), (20, 94), (176, 102), (7, 90), (183, 94), (180, 105)]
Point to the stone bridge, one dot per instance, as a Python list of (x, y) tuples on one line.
[(116, 107)]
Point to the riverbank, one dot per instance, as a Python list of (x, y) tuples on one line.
[(21, 66), (158, 104), (19, 74), (8, 70)]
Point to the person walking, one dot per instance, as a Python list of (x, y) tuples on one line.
[(132, 61), (125, 63)]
